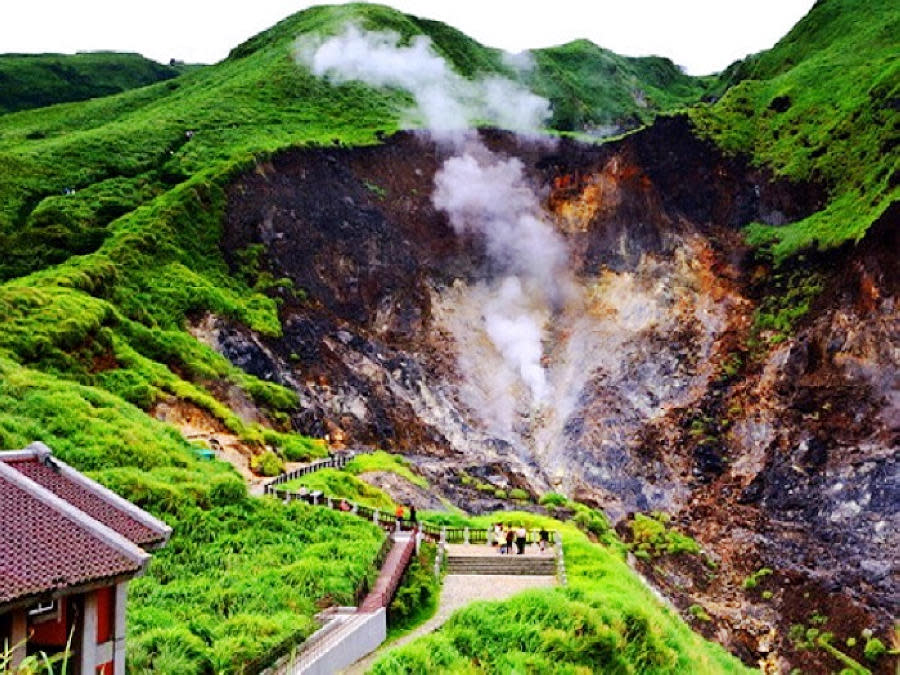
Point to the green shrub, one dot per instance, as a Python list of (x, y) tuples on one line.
[(267, 464), (553, 499), (520, 494), (342, 485), (874, 649), (417, 596), (650, 534), (384, 461), (753, 580), (296, 448), (227, 490)]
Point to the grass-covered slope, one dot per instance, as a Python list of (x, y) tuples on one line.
[(37, 80), (240, 576), (592, 87), (604, 621), (821, 105)]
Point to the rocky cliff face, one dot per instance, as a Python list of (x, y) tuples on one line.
[(664, 393)]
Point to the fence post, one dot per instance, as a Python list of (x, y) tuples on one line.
[(329, 503), (355, 509), (443, 536), (375, 517), (465, 535), (437, 561)]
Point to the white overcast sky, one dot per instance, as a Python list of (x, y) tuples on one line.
[(702, 35)]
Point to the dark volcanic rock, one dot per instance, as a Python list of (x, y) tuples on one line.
[(783, 458)]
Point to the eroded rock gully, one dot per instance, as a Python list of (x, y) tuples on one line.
[(793, 466)]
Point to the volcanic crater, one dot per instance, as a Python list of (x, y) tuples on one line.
[(384, 342)]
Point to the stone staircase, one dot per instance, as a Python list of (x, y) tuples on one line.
[(537, 565)]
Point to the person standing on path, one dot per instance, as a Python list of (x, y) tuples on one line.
[(521, 536), (545, 539), (509, 540), (399, 514)]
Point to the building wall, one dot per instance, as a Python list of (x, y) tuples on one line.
[(92, 624)]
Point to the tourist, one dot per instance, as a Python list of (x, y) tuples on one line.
[(521, 537), (344, 505), (399, 514), (412, 515), (510, 535), (497, 539), (545, 539)]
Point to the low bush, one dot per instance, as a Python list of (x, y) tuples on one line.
[(553, 499), (652, 536), (267, 464), (417, 597), (753, 580)]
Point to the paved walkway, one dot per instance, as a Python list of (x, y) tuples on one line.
[(458, 591)]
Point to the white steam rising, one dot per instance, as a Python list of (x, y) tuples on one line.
[(490, 196), (481, 192), (446, 101), (515, 329)]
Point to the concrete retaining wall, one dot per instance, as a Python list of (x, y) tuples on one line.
[(357, 641)]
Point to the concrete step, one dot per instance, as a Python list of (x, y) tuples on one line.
[(501, 565)]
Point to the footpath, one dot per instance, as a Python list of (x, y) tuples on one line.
[(349, 636), (508, 575)]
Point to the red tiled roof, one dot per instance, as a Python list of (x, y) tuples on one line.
[(43, 548), (90, 501)]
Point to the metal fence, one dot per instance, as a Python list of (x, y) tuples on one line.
[(333, 462)]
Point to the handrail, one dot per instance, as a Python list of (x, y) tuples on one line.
[(332, 462)]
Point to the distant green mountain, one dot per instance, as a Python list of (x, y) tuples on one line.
[(37, 80), (590, 86)]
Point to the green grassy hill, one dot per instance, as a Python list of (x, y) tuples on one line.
[(590, 86), (821, 105), (110, 220), (37, 80)]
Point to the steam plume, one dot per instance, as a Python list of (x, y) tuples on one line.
[(446, 101), (481, 192)]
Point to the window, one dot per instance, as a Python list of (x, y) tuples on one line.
[(42, 609)]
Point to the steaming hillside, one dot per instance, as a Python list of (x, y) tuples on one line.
[(697, 318)]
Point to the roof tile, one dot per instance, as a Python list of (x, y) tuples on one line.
[(42, 549)]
